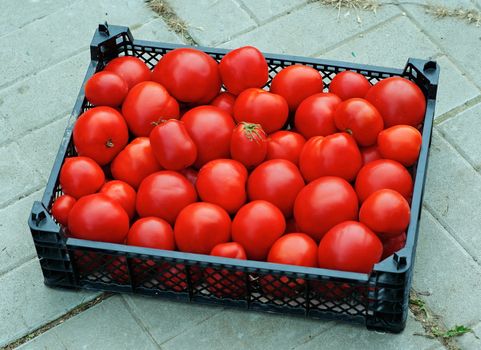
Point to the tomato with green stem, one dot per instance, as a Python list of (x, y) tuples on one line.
[(248, 144)]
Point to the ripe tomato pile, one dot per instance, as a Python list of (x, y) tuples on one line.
[(199, 156)]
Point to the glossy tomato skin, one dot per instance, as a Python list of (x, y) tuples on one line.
[(399, 101), (173, 147), (277, 181), (81, 176), (98, 218), (164, 194), (248, 144), (200, 227), (225, 101), (256, 226), (383, 173), (231, 250), (100, 133), (243, 68), (370, 154), (294, 249), (385, 212), (315, 115), (261, 107), (350, 246), (211, 130), (223, 182), (106, 89), (359, 118), (333, 155), (151, 232), (324, 203), (349, 84), (122, 193), (392, 245), (146, 105), (189, 75), (286, 145), (61, 207), (190, 174), (401, 143), (132, 69), (135, 162), (296, 83)]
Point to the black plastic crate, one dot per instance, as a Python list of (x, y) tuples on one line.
[(379, 300)]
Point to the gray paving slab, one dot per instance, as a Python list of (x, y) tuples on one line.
[(4, 126), (471, 340), (266, 9), (156, 30)]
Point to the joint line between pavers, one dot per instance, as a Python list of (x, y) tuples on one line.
[(323, 330), (457, 110), (24, 194), (25, 260), (248, 11)]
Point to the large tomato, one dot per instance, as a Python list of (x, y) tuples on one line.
[(285, 145), (243, 68), (122, 193), (200, 227), (261, 107), (383, 173), (350, 246), (222, 182), (333, 155), (98, 218), (277, 181), (80, 176), (231, 250), (146, 105), (172, 145), (135, 162), (399, 101), (370, 154), (151, 232), (349, 84), (164, 194), (189, 75), (323, 203), (315, 115), (296, 83), (211, 130), (256, 226), (393, 244), (106, 89), (248, 144), (360, 119), (225, 101), (401, 143), (61, 207), (294, 249), (100, 133), (132, 69)]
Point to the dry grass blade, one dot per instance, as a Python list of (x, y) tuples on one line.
[(369, 5), (471, 16)]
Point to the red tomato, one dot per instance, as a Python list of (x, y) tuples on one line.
[(211, 130), (224, 101), (231, 250), (296, 83), (190, 174), (200, 227), (189, 75), (164, 194), (392, 245), (151, 232), (122, 193), (333, 155), (383, 173), (81, 176), (261, 107), (385, 212), (285, 145), (222, 182), (315, 115), (370, 154), (172, 145), (294, 249), (401, 143), (248, 144), (243, 68), (350, 246), (146, 105), (323, 204), (135, 162), (282, 286), (277, 181), (399, 101), (106, 89), (98, 218), (132, 69), (360, 119), (256, 226), (349, 84), (61, 207), (174, 277), (100, 133)]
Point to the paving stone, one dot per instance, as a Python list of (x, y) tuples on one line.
[(156, 30), (309, 30), (463, 131), (266, 9), (4, 126), (211, 21), (471, 340), (26, 303)]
